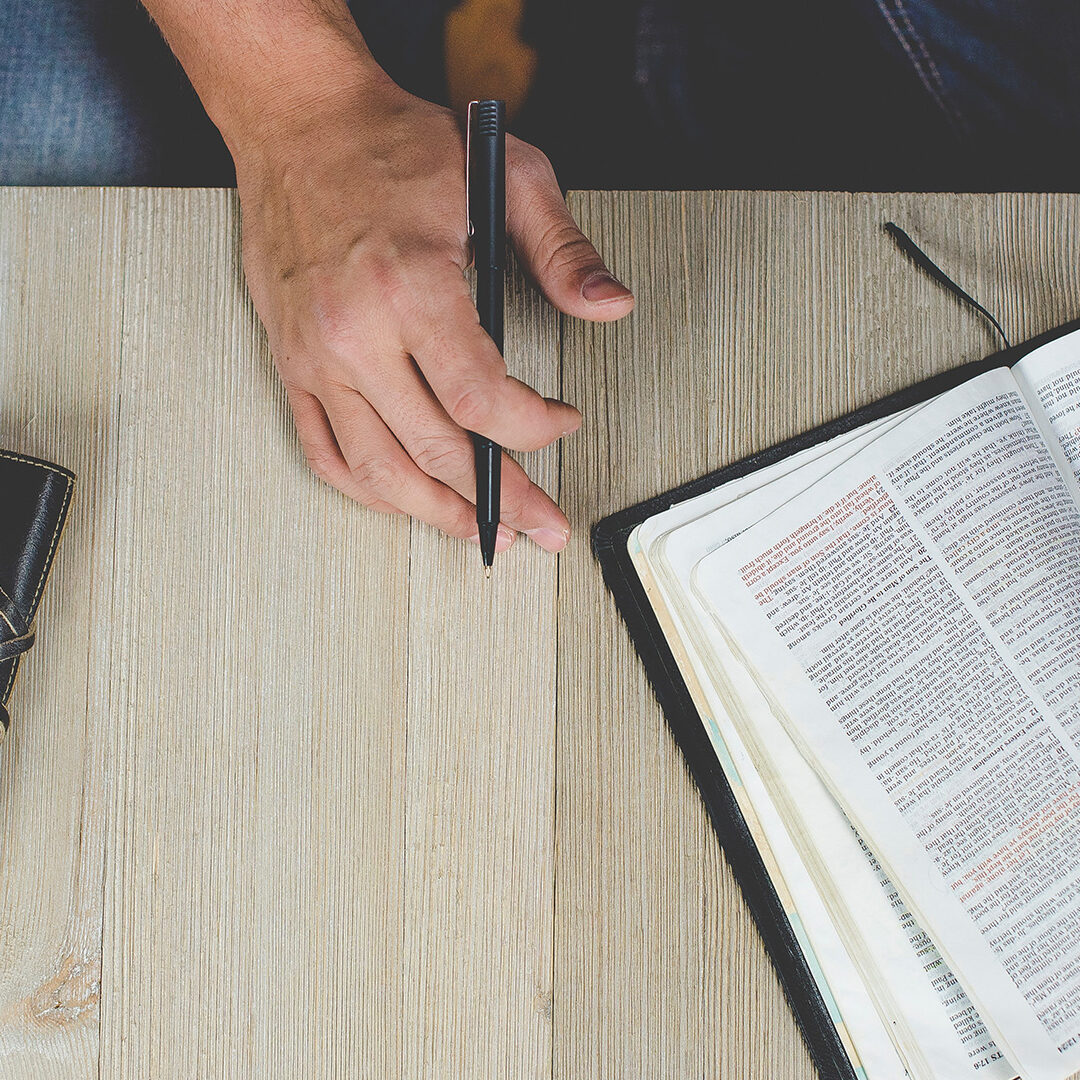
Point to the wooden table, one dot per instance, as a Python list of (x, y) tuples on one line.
[(271, 806)]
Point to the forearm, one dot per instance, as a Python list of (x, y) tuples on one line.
[(258, 63)]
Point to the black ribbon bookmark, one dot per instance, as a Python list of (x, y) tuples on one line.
[(928, 266)]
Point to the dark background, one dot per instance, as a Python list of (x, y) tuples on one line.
[(668, 94)]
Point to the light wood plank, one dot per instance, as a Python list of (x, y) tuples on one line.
[(60, 289), (254, 877), (479, 861), (659, 970)]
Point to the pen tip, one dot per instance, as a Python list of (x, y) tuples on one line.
[(487, 572)]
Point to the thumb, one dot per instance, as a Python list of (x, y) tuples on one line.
[(553, 250)]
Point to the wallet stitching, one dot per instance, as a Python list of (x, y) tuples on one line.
[(52, 543), (28, 637), (48, 558), (38, 464), (11, 679)]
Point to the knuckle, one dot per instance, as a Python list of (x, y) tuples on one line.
[(302, 367), (378, 479), (345, 322), (531, 163), (515, 504), (321, 463), (336, 324), (561, 247), (474, 408), (440, 456), (398, 281), (392, 288), (306, 366)]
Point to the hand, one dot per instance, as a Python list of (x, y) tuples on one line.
[(355, 246)]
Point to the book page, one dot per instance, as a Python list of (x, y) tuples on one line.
[(862, 1029), (912, 985), (925, 998), (1050, 376), (902, 615), (810, 464)]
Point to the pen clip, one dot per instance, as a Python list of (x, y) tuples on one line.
[(468, 159)]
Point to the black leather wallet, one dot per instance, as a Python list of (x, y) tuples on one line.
[(34, 499)]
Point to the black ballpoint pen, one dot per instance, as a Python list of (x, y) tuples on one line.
[(485, 179)]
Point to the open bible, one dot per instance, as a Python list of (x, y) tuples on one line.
[(880, 637)]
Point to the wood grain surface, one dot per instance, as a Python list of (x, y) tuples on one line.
[(290, 791)]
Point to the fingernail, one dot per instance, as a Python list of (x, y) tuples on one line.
[(600, 287), (503, 538), (549, 539), (575, 423)]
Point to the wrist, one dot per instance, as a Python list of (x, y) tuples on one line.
[(283, 93), (259, 77)]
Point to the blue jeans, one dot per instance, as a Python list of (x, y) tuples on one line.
[(1006, 68), (90, 93), (842, 93)]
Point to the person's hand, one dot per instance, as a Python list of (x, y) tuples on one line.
[(355, 247)]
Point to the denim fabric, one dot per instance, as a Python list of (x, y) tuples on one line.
[(713, 94), (90, 94), (998, 69)]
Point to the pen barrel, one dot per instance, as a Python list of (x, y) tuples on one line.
[(489, 466), (489, 302), (489, 306), (487, 178), (487, 212)]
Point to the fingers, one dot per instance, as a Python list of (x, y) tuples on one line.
[(553, 250), (442, 450), (427, 471), (349, 446), (468, 376), (380, 429), (321, 450)]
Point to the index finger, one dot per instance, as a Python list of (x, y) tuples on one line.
[(468, 375)]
